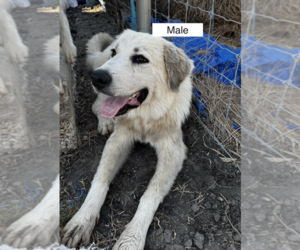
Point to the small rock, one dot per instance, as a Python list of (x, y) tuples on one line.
[(181, 229), (213, 196), (260, 217), (215, 206), (217, 217), (188, 243), (195, 208), (207, 204), (186, 237), (168, 235), (198, 240), (192, 234), (233, 202)]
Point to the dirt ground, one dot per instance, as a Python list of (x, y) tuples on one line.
[(38, 165), (271, 200), (202, 211)]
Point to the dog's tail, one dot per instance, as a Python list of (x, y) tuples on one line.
[(97, 50)]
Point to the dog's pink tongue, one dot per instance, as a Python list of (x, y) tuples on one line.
[(111, 106)]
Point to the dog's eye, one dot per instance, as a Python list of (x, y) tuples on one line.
[(113, 52), (139, 59)]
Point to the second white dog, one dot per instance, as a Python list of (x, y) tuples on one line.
[(144, 85)]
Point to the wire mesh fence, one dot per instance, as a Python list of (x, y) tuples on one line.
[(270, 76), (217, 60)]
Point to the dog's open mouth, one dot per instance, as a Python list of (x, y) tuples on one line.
[(114, 106)]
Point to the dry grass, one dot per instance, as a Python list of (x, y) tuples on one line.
[(212, 94), (278, 33), (226, 32), (261, 114)]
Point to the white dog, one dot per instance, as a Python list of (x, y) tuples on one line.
[(144, 85)]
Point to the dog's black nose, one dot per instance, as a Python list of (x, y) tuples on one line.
[(101, 79)]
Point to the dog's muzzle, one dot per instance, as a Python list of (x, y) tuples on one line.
[(101, 79)]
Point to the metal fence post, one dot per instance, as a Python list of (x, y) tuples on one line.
[(143, 15)]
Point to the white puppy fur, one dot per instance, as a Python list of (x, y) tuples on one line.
[(157, 120), (38, 226), (68, 47), (9, 35)]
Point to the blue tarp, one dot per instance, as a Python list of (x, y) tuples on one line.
[(220, 59), (266, 59)]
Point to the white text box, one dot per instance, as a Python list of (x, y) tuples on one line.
[(177, 29)]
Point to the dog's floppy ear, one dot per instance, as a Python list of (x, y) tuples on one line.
[(178, 65)]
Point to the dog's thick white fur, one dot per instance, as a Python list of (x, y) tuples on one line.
[(38, 226), (68, 47), (157, 120), (9, 35)]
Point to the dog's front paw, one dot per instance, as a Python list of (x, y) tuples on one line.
[(17, 51), (105, 126), (70, 52), (78, 231), (133, 238), (36, 228)]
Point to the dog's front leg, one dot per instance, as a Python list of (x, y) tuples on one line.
[(79, 229), (170, 158), (68, 47), (12, 41)]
